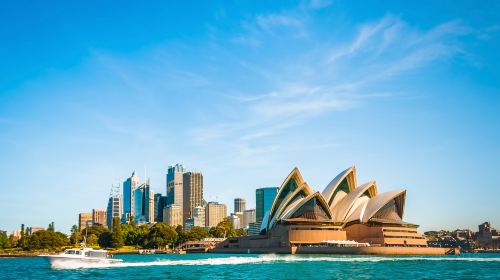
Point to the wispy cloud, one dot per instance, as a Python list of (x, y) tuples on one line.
[(283, 24), (337, 77)]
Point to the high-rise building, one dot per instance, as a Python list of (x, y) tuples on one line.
[(264, 198), (84, 220), (128, 194), (192, 193), (99, 217), (214, 213), (160, 203), (248, 217), (174, 185), (199, 216), (172, 215), (144, 207), (114, 206), (235, 220), (239, 205)]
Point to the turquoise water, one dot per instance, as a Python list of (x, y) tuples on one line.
[(218, 266)]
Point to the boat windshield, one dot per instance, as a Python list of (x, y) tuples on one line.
[(95, 254), (70, 252)]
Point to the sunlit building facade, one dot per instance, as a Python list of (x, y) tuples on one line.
[(192, 196), (172, 215), (175, 185), (99, 217), (214, 213), (114, 209), (84, 220)]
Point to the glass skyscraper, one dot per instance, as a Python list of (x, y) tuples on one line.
[(264, 198), (128, 194), (143, 204)]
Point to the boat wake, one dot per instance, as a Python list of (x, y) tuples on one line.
[(259, 259)]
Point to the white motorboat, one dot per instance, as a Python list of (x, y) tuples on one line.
[(84, 254)]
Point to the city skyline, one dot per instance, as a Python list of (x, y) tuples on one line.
[(244, 92)]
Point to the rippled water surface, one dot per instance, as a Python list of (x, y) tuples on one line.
[(218, 266)]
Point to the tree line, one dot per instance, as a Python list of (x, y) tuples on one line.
[(28, 241), (157, 236)]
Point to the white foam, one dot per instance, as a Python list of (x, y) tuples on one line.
[(262, 259)]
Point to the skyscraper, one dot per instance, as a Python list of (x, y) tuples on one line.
[(144, 204), (99, 217), (239, 205), (114, 206), (174, 185), (192, 194), (214, 213), (128, 195), (264, 198), (84, 220), (160, 203), (172, 215)]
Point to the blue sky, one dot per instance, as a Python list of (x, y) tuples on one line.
[(244, 91)]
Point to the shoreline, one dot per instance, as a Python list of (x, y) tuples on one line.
[(36, 254)]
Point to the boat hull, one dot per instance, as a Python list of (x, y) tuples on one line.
[(69, 262)]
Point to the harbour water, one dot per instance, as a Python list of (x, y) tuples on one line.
[(219, 266)]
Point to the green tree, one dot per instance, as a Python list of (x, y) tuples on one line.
[(51, 227), (197, 233), (14, 240), (181, 235), (92, 239), (46, 239), (76, 235), (96, 230), (22, 241), (117, 234), (160, 235), (4, 240), (105, 239), (223, 229)]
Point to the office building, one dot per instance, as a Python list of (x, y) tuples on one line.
[(160, 203), (239, 205), (114, 209), (192, 193), (214, 213), (99, 217), (248, 217), (199, 216), (129, 187), (172, 215), (144, 204), (174, 185), (84, 220), (264, 198), (235, 220)]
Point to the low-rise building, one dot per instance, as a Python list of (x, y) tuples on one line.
[(84, 220)]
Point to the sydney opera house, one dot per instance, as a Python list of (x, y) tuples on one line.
[(344, 218)]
